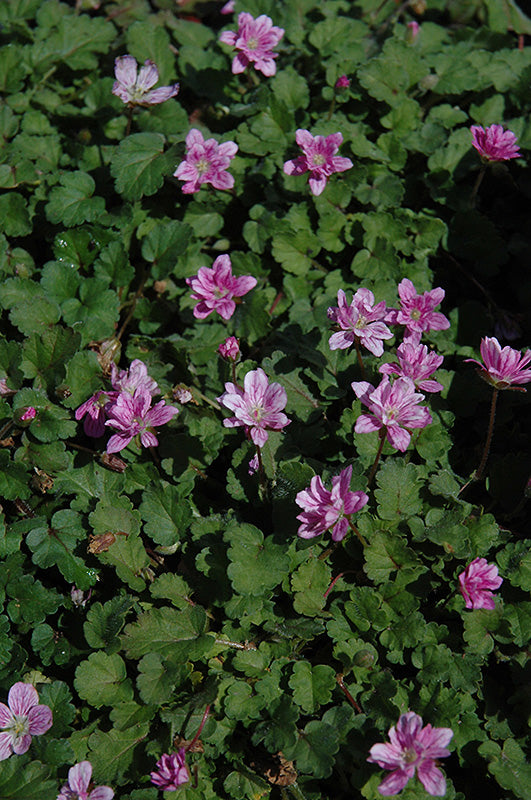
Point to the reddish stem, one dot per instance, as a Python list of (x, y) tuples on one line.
[(201, 726)]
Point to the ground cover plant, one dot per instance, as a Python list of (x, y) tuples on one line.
[(265, 441)]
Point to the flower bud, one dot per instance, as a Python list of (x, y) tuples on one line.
[(230, 349)]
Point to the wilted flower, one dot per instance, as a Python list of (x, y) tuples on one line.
[(171, 771), (393, 406), (253, 465), (133, 416), (230, 349), (416, 311), (28, 414), (182, 394), (417, 363), (79, 786), (206, 162), (318, 159), (494, 144), (325, 509), (502, 366), (255, 40), (79, 597), (5, 391), (477, 582), (342, 82), (136, 377), (21, 719), (214, 287), (412, 748), (135, 86), (257, 407), (361, 320)]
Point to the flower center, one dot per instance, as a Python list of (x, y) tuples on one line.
[(410, 755), (202, 166), (256, 413), (361, 323), (415, 314), (319, 160), (252, 43), (19, 726)]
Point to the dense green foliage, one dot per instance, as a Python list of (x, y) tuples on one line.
[(203, 593)]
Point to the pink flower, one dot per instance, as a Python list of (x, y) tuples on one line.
[(393, 407), (136, 377), (413, 29), (411, 748), (28, 414), (417, 313), (230, 349), (361, 320), (494, 144), (171, 772), (324, 509), (477, 582), (255, 39), (253, 465), (228, 8), (133, 416), (23, 719), (206, 162), (318, 159), (342, 82), (95, 410), (502, 366), (415, 362), (134, 86), (257, 407), (214, 287), (79, 786)]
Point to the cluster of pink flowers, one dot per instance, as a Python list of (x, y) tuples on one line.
[(215, 287), (127, 408), (324, 509), (412, 748)]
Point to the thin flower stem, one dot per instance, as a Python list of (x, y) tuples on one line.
[(331, 109), (376, 460), (129, 120), (490, 431), (473, 195), (358, 534), (328, 550), (261, 472), (360, 358), (201, 726), (339, 679)]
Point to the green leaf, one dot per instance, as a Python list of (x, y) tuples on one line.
[(44, 355), (398, 495), (54, 546), (164, 243), (245, 786), (96, 312), (312, 686), (58, 697), (28, 782), (29, 601), (104, 623), (479, 625), (128, 555), (514, 562), (148, 39), (14, 215), (111, 752), (257, 564), (77, 40), (509, 766), (309, 583), (166, 513), (158, 678), (102, 680), (169, 632), (315, 749), (385, 554), (72, 203), (140, 164)]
